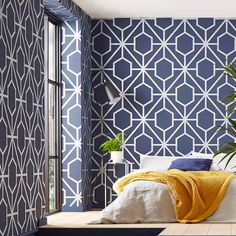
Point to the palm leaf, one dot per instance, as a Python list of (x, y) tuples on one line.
[(232, 96), (223, 150), (232, 123), (233, 145), (224, 157), (233, 70), (223, 128), (231, 157), (230, 150), (230, 71), (229, 98), (231, 108)]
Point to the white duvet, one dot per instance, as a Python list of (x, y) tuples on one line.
[(150, 202)]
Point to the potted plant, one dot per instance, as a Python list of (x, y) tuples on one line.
[(113, 147), (229, 148)]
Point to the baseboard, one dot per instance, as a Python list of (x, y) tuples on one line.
[(42, 222), (99, 231), (33, 232), (30, 233)]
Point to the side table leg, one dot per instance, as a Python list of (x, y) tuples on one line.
[(105, 183)]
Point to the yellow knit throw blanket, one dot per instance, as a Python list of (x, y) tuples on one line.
[(197, 194)]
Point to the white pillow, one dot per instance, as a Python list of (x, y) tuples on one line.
[(215, 167), (160, 163), (199, 154), (217, 159)]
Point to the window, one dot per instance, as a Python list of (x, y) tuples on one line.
[(52, 113)]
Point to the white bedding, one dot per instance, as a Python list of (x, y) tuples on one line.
[(147, 201)]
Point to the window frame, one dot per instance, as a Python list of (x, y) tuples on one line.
[(49, 17)]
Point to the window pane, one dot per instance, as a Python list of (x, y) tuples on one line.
[(52, 52), (52, 185), (52, 120)]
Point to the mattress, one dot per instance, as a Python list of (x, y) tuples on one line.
[(151, 202)]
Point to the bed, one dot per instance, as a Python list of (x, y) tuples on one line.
[(152, 202)]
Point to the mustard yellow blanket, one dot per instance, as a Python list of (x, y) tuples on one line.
[(197, 194)]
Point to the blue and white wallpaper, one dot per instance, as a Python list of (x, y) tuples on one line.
[(86, 112), (71, 115), (22, 141), (76, 104), (76, 117), (169, 74)]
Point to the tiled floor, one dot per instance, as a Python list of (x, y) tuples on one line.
[(80, 220)]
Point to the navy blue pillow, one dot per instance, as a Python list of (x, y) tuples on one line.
[(191, 164)]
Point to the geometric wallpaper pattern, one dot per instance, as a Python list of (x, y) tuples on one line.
[(65, 10), (86, 105), (76, 120), (76, 104), (169, 74), (22, 158), (71, 116)]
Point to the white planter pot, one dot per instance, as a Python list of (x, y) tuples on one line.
[(117, 156)]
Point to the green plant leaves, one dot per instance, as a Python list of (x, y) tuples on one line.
[(230, 71), (229, 148), (113, 144), (228, 151), (230, 100)]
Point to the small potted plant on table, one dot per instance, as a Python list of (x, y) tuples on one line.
[(113, 147)]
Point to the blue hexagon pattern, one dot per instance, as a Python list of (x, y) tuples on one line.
[(169, 73)]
